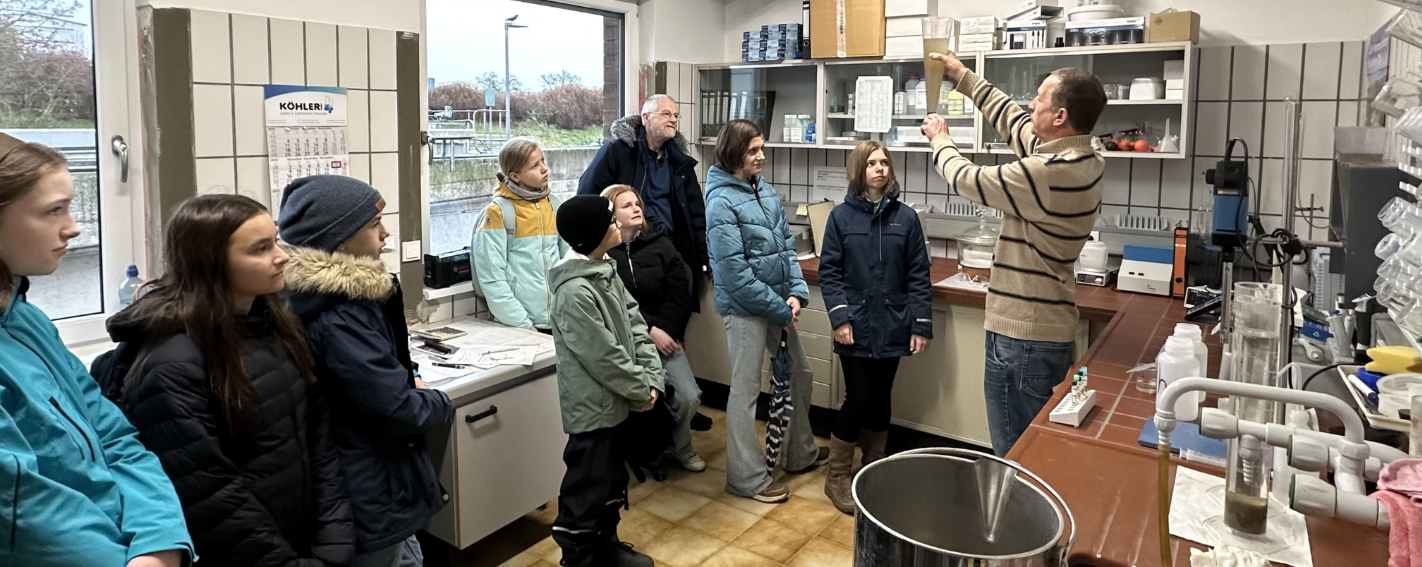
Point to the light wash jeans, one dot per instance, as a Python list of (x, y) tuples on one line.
[(1018, 377), (687, 402), (414, 555), (388, 557), (747, 340)]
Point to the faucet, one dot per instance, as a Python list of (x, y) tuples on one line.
[(1308, 495)]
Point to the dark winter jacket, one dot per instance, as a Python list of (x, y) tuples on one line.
[(269, 498), (357, 334), (659, 280), (874, 275), (619, 161)]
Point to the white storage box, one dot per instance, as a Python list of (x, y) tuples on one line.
[(897, 8), (979, 25), (907, 26), (904, 47), (1174, 94), (1174, 84)]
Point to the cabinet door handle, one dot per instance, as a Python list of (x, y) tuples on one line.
[(473, 417)]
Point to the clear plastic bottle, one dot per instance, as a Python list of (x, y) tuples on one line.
[(899, 103), (1175, 361), (920, 98), (128, 290)]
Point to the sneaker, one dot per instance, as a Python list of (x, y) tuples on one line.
[(700, 422), (621, 554), (692, 462), (773, 494), (820, 458)]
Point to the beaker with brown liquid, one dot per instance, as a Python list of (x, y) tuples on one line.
[(937, 38)]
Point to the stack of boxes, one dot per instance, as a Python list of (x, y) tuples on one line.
[(903, 27), (983, 33), (771, 43), (1175, 80)]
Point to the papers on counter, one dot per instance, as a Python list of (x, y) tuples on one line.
[(1197, 510)]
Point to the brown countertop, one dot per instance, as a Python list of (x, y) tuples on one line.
[(1106, 477)]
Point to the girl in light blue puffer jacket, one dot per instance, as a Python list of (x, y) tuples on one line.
[(759, 291)]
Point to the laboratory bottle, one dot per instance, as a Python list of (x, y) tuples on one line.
[(920, 97), (1175, 361), (899, 104), (128, 290), (911, 104), (1197, 338)]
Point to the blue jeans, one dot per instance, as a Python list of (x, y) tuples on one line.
[(1018, 377), (687, 402)]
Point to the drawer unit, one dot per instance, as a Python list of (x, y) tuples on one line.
[(817, 346), (813, 322), (817, 300), (501, 459)]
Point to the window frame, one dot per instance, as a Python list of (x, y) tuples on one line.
[(631, 63), (122, 231)]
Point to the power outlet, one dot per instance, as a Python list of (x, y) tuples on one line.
[(410, 251)]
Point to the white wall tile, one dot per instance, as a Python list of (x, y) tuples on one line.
[(288, 52), (1315, 184), (1176, 218), (1285, 70), (1116, 182), (1200, 191), (1145, 211), (382, 59), (1316, 136), (358, 120), (1352, 70), (216, 175), (1271, 187), (938, 202), (392, 243), (250, 58), (384, 122), (320, 54), (1213, 83), (688, 82), (780, 167), (1348, 112), (385, 176), (249, 112), (1248, 73), (1145, 182), (1175, 183), (353, 62), (1321, 70), (1211, 123), (466, 304), (914, 177), (212, 120), (936, 184), (1275, 125), (799, 166), (1109, 212), (835, 158), (360, 167), (254, 181), (211, 47), (1246, 120)]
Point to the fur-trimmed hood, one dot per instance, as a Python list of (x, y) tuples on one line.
[(338, 274), (629, 128)]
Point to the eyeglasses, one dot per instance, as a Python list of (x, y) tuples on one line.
[(667, 114)]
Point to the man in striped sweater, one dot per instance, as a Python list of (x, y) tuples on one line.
[(1050, 198)]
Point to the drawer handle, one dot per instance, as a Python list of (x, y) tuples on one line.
[(474, 417)]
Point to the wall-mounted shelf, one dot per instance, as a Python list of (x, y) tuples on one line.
[(772, 90), (432, 294)]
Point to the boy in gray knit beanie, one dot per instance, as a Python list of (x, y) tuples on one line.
[(323, 211)]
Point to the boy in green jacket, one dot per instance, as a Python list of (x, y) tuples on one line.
[(607, 366)]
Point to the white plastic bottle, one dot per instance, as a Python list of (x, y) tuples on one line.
[(1197, 337), (911, 103), (1175, 361), (920, 96)]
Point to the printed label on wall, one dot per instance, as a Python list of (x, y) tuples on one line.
[(306, 134)]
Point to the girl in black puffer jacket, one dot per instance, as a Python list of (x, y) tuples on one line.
[(654, 272), (213, 370)]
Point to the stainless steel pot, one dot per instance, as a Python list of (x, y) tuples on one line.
[(945, 507)]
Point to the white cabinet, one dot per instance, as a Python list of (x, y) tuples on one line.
[(501, 459)]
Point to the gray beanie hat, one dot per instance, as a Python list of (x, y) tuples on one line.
[(323, 211)]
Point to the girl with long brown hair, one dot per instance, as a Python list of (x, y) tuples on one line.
[(214, 371), (79, 487)]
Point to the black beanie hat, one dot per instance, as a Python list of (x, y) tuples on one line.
[(583, 222)]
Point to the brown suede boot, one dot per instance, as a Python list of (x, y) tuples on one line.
[(837, 480), (873, 443)]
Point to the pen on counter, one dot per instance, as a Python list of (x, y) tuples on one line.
[(449, 365)]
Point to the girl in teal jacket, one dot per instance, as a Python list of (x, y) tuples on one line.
[(516, 242), (76, 485)]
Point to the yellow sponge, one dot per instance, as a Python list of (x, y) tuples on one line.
[(1394, 360)]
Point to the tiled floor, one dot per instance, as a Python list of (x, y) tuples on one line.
[(690, 521)]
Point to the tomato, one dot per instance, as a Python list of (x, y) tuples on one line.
[(1142, 146)]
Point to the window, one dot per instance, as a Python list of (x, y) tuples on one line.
[(50, 85), (566, 67)]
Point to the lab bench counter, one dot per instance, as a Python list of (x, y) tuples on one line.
[(1106, 477)]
